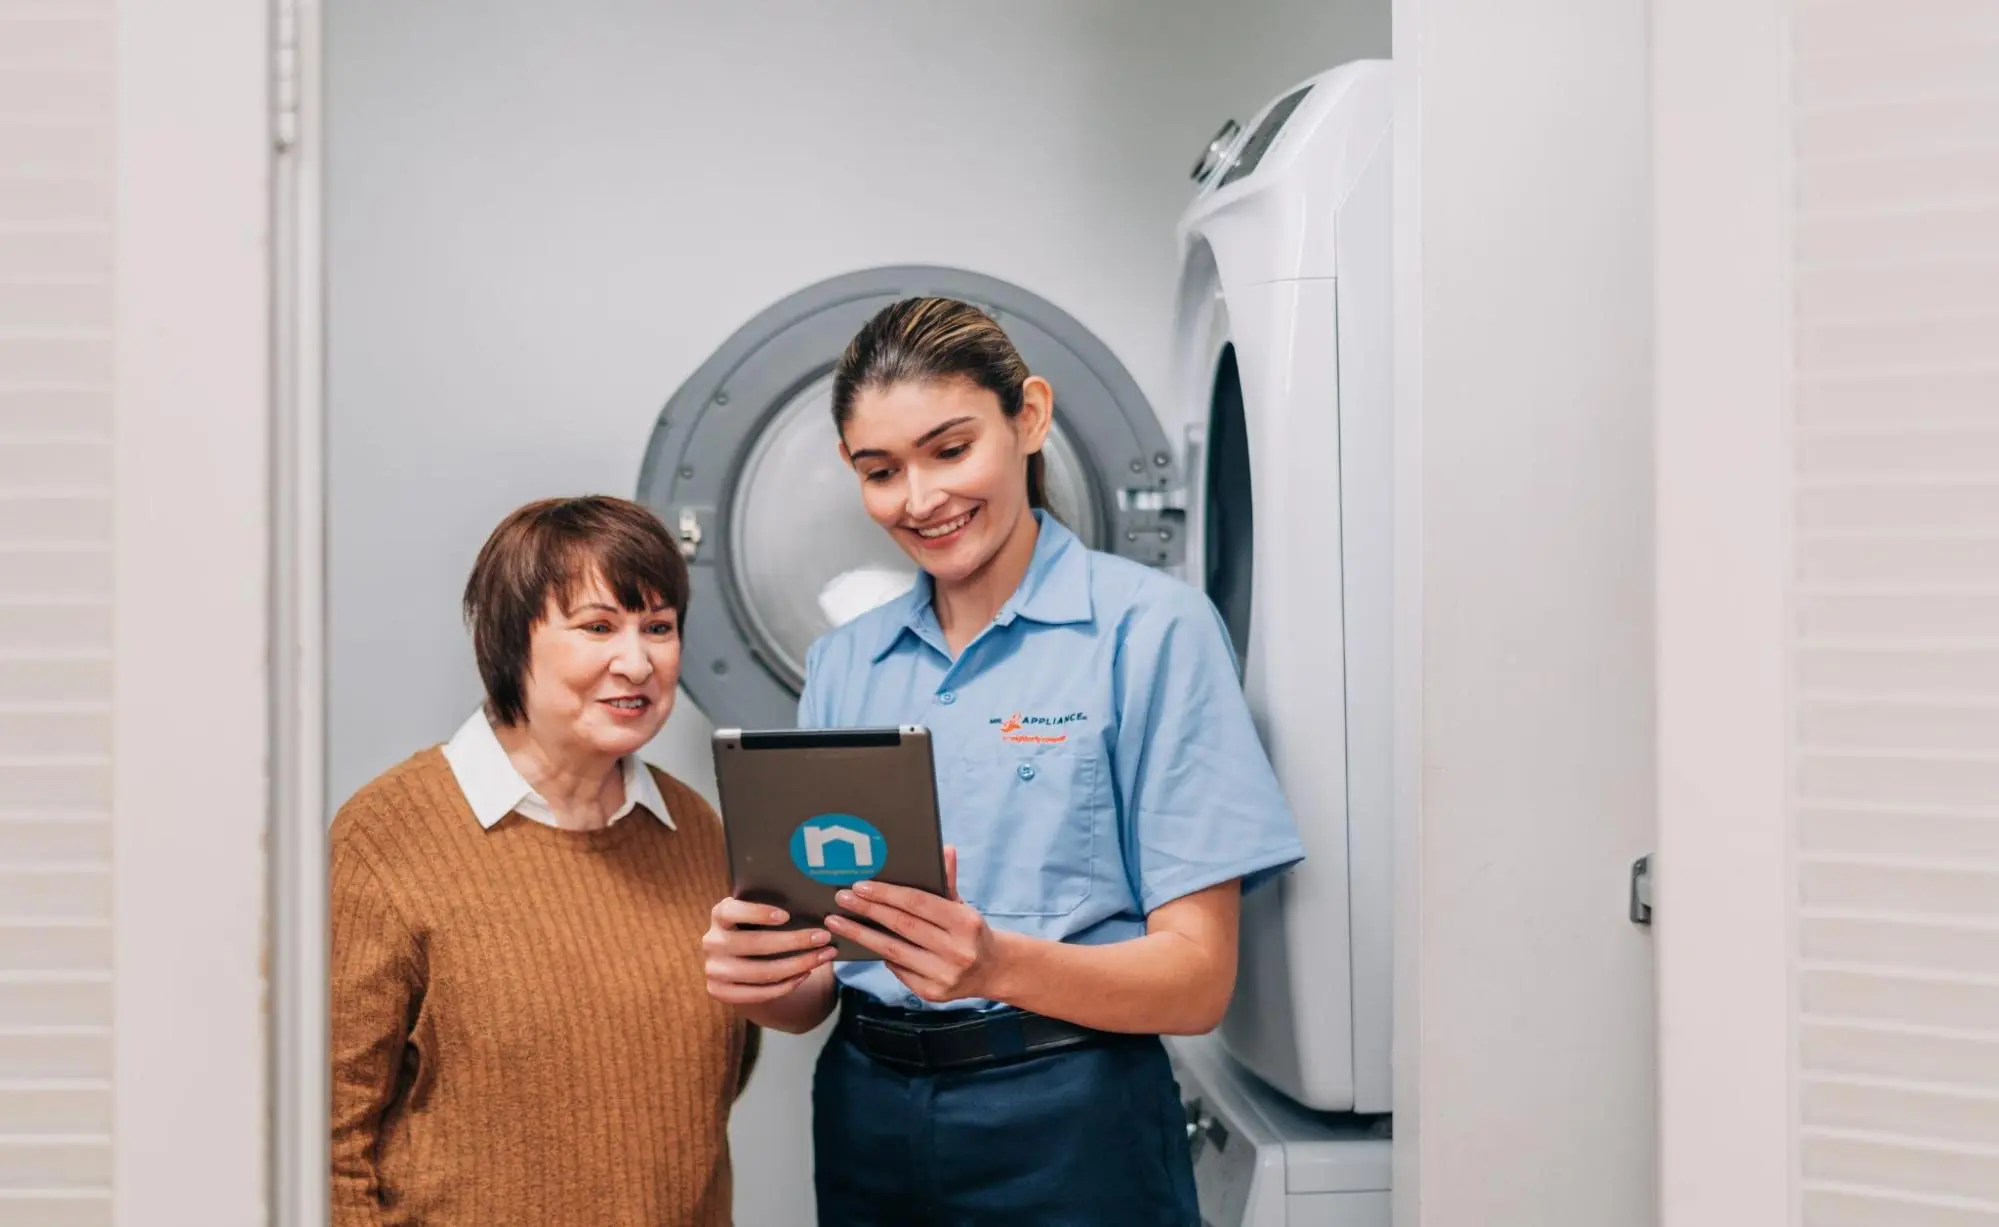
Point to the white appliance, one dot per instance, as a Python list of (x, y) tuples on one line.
[(1283, 333), (1262, 1161)]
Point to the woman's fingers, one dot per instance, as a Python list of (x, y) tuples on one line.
[(750, 943), (733, 912), (731, 969), (919, 930), (755, 994), (749, 966), (890, 947)]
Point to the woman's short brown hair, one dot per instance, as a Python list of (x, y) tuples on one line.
[(556, 548)]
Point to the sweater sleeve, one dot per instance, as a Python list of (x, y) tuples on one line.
[(375, 985)]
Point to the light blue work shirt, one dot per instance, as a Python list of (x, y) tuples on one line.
[(1094, 754)]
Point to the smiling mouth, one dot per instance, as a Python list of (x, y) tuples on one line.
[(937, 532), (633, 703)]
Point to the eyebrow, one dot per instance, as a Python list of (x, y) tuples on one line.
[(870, 452), (600, 607)]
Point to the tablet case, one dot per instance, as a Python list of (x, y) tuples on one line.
[(810, 811)]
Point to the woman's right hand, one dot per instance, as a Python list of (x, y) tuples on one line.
[(752, 967)]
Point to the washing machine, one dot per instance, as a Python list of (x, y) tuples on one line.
[(1283, 338), (1261, 1160)]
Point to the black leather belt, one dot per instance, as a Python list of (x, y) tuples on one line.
[(932, 1041)]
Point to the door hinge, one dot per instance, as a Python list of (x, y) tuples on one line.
[(285, 77), (690, 533), (1641, 891)]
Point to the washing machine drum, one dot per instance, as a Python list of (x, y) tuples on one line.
[(744, 467)]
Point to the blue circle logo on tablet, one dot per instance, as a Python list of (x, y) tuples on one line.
[(838, 849)]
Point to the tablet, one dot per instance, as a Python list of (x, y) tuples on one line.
[(810, 811)]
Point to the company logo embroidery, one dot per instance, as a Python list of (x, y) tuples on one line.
[(837, 849), (1035, 730)]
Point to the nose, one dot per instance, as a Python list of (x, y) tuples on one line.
[(632, 662), (923, 496)]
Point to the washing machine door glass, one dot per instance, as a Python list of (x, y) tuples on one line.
[(805, 555)]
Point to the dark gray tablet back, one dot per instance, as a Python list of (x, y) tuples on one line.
[(809, 811)]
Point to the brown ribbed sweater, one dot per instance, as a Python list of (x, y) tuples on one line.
[(521, 1032)]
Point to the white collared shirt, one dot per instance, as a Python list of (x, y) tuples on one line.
[(494, 787)]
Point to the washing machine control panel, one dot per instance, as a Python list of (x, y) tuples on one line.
[(1217, 151), (1264, 136)]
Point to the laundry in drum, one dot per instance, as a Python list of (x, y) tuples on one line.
[(850, 594)]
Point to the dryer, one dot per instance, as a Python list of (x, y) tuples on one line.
[(1283, 338)]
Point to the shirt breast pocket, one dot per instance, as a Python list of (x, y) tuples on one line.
[(1031, 850)]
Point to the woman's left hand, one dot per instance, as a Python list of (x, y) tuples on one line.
[(941, 948)]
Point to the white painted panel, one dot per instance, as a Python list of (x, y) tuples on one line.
[(81, 251), (51, 1050), (190, 721), (56, 304), (1723, 262), (30, 409)]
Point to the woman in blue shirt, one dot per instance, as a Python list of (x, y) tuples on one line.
[(1105, 798)]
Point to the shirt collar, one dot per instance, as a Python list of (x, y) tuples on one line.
[(494, 787), (1055, 590)]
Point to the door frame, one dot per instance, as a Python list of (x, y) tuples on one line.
[(191, 629), (1725, 877), (300, 811)]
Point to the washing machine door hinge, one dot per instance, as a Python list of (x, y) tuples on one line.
[(690, 533), (1153, 499), (1151, 525)]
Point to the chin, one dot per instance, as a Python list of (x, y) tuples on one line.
[(951, 571), (630, 739), (962, 561)]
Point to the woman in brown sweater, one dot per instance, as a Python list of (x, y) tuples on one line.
[(520, 1030)]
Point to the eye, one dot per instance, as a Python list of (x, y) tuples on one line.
[(954, 451), (877, 476), (661, 628), (598, 628)]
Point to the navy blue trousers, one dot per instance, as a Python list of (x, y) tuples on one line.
[(1089, 1137)]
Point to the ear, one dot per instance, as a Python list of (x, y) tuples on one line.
[(1037, 413), (846, 457)]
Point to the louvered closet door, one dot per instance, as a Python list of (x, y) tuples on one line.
[(1828, 263), (1895, 720), (55, 579)]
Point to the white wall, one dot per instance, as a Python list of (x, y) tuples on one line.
[(1525, 1088), (542, 217)]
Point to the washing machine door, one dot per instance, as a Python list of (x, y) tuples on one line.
[(743, 466)]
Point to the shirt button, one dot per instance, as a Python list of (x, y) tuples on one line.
[(947, 698), (1027, 771)]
